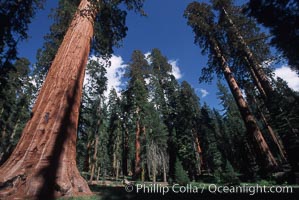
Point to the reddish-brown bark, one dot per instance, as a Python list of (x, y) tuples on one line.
[(254, 133), (43, 164), (256, 71), (137, 171), (272, 134), (198, 151)]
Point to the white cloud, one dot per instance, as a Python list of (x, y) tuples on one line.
[(176, 72), (203, 92), (147, 57), (114, 73), (289, 76)]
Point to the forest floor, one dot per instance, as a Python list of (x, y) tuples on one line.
[(109, 190)]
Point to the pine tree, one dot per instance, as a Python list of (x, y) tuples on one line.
[(285, 121), (212, 156), (156, 143), (181, 176), (15, 106), (163, 93), (137, 95), (115, 132), (187, 130), (92, 114)]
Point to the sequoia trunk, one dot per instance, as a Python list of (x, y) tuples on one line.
[(256, 70), (288, 135), (272, 134), (137, 171), (94, 158), (261, 147), (43, 165), (198, 152)]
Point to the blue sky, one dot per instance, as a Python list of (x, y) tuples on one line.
[(164, 28)]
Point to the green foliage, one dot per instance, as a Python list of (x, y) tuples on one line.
[(110, 27), (181, 176), (201, 19), (62, 16), (15, 105), (15, 16), (114, 130), (266, 182), (187, 127), (241, 34), (92, 120), (229, 176), (234, 141), (211, 154), (109, 30), (281, 17)]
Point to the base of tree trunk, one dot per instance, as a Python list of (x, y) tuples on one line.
[(33, 185)]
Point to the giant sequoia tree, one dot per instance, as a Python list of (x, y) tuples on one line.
[(245, 40), (137, 95), (207, 35), (44, 162)]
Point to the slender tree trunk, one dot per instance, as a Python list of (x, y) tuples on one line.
[(43, 164), (261, 147), (137, 170), (117, 171), (154, 170), (3, 134), (149, 171), (98, 174), (257, 81), (154, 161), (116, 157), (275, 139), (87, 158), (125, 153), (198, 151), (13, 134), (271, 132), (164, 170), (197, 155), (94, 158), (142, 172)]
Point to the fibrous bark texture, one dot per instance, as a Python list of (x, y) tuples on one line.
[(137, 171), (266, 158), (43, 164)]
